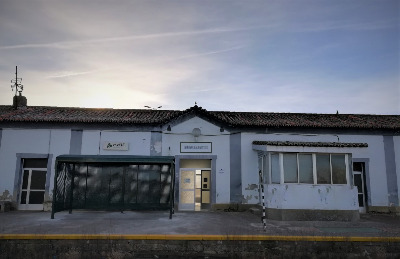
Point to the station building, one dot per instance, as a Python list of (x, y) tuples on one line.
[(311, 166)]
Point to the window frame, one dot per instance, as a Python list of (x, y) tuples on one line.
[(268, 171)]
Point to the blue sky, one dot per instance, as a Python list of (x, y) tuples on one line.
[(264, 56)]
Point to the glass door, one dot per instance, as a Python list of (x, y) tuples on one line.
[(358, 179), (187, 189), (205, 189), (33, 184), (194, 190), (33, 189)]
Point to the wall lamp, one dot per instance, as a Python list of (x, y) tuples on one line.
[(196, 132)]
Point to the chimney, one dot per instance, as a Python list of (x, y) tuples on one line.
[(19, 101)]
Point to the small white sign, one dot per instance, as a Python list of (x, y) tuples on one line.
[(120, 146), (196, 147)]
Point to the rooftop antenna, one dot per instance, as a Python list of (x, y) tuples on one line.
[(16, 83)]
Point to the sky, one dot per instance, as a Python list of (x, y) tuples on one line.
[(298, 56)]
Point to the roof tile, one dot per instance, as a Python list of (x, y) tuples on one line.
[(233, 119)]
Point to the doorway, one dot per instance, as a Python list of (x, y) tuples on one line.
[(202, 190), (33, 184), (359, 181), (195, 189), (195, 185)]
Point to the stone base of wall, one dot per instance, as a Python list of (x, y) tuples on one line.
[(5, 206), (309, 215), (384, 209), (194, 249), (47, 206)]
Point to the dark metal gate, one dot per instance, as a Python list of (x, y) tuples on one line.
[(113, 183)]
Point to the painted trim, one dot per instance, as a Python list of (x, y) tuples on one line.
[(391, 177), (307, 149), (75, 145), (367, 178), (235, 155), (306, 144), (196, 237), (1, 136)]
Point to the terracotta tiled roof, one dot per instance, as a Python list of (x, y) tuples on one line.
[(85, 115), (232, 119), (309, 144), (309, 120)]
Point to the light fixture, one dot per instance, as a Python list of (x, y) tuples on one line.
[(196, 132), (169, 128)]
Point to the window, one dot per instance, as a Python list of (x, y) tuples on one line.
[(290, 168), (323, 169), (306, 168), (275, 171), (338, 169), (265, 167)]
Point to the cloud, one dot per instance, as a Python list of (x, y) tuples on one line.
[(207, 53), (71, 73), (64, 74), (345, 25), (241, 56), (79, 43)]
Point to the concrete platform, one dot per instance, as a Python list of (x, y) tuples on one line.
[(151, 234), (189, 223)]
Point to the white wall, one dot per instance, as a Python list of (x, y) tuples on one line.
[(375, 152), (250, 178), (60, 145), (92, 141), (220, 147), (57, 142), (312, 197), (32, 141)]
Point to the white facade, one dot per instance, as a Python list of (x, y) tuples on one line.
[(234, 161)]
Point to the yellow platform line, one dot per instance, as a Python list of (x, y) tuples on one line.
[(196, 237)]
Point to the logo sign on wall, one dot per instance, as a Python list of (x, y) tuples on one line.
[(117, 146), (196, 147)]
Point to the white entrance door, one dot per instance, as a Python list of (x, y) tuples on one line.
[(194, 190), (358, 179), (33, 187), (187, 189)]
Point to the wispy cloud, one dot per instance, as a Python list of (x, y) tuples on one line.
[(207, 53), (65, 74), (71, 73), (343, 25), (72, 44), (263, 56)]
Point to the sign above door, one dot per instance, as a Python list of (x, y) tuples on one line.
[(111, 145), (196, 147)]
